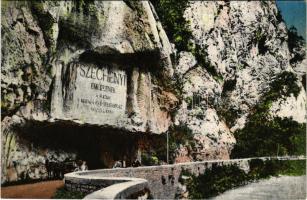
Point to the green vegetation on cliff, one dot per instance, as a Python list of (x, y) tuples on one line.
[(296, 43), (265, 135), (171, 14), (218, 179), (181, 135)]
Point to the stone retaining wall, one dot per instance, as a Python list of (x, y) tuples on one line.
[(163, 181)]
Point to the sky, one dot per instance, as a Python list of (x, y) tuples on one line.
[(294, 13)]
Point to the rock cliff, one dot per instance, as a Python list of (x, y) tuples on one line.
[(244, 47), (96, 76), (55, 57)]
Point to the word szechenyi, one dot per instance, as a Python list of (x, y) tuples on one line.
[(102, 74)]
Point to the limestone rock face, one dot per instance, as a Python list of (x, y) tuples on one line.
[(293, 107), (211, 135), (24, 74), (245, 45), (104, 64), (98, 35), (74, 73)]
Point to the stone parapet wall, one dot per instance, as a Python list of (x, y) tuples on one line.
[(89, 184), (163, 180), (95, 187), (130, 189)]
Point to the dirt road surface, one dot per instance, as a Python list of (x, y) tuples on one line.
[(41, 190)]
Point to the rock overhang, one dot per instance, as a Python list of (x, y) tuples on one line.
[(109, 23), (133, 48), (106, 38)]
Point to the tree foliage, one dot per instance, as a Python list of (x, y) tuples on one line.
[(171, 14), (219, 179), (296, 44), (181, 135), (265, 135)]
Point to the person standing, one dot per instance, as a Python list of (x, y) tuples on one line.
[(84, 166)]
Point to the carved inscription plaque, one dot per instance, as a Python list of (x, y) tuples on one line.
[(100, 93)]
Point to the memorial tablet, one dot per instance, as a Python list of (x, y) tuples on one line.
[(95, 93)]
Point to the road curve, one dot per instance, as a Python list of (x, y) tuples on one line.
[(275, 188)]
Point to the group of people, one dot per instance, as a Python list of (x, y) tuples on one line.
[(122, 164), (82, 167), (57, 169)]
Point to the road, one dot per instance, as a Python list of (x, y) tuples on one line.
[(41, 190), (284, 187)]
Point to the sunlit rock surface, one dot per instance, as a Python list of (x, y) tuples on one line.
[(103, 64), (245, 45), (79, 78)]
